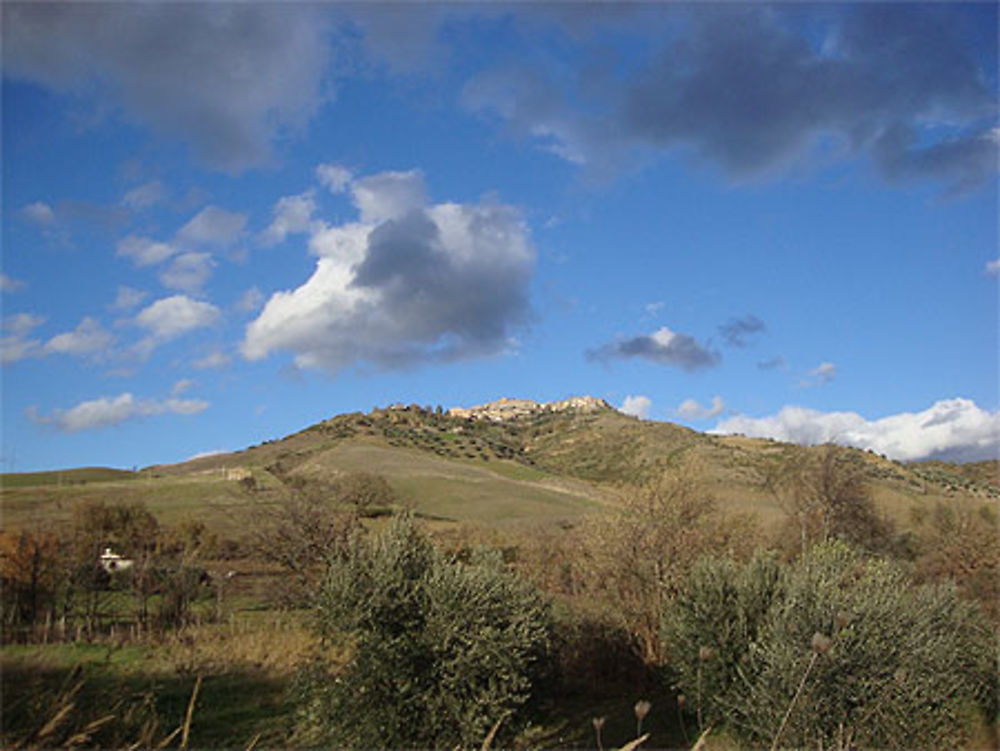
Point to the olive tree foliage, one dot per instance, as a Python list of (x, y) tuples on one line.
[(442, 650), (709, 626), (836, 650)]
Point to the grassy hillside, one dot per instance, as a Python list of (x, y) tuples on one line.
[(547, 467), (81, 476)]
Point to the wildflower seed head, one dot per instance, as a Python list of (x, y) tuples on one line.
[(598, 722), (842, 619), (705, 654), (900, 675), (821, 643), (642, 708), (681, 701)]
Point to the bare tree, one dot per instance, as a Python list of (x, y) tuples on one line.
[(825, 494)]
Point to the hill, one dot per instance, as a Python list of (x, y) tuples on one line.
[(507, 462)]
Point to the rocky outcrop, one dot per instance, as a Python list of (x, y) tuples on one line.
[(512, 409)]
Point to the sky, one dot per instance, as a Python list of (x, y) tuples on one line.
[(223, 223)]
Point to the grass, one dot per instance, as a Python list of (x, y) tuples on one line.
[(80, 476), (246, 664)]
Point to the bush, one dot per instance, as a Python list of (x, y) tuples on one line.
[(442, 650), (848, 649), (710, 625)]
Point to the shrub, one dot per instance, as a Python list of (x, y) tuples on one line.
[(640, 555), (710, 625), (848, 652), (442, 650)]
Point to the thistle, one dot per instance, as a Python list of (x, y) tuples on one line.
[(642, 708), (598, 723)]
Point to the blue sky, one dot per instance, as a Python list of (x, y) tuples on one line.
[(223, 223)]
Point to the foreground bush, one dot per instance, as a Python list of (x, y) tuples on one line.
[(442, 650), (837, 650)]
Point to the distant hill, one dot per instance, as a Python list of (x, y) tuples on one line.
[(507, 462)]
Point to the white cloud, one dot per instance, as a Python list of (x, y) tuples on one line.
[(212, 361), (21, 324), (992, 268), (652, 308), (39, 213), (128, 298), (146, 195), (181, 386), (212, 227), (170, 317), (144, 251), (108, 411), (692, 410), (250, 301), (951, 429), (821, 375), (292, 215), (9, 284), (637, 406), (188, 272), (88, 338), (388, 195), (14, 344), (409, 283), (333, 177)]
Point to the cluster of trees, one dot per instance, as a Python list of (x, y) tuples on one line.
[(830, 641), (840, 633), (55, 580)]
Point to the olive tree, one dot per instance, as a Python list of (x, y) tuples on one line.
[(441, 650), (840, 650)]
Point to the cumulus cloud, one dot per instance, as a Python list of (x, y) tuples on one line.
[(692, 410), (992, 268), (388, 195), (410, 282), (143, 251), (144, 196), (663, 346), (226, 78), (14, 343), (334, 177), (88, 338), (949, 430), (109, 411), (736, 331), (755, 89), (637, 406), (250, 301), (212, 227), (39, 213), (188, 272), (292, 215), (171, 317), (128, 298), (9, 284)]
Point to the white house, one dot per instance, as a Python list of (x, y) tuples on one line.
[(112, 562)]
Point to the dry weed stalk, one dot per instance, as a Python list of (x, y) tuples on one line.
[(820, 646)]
